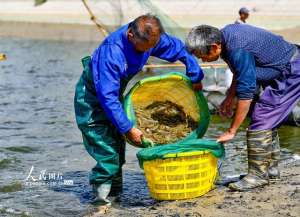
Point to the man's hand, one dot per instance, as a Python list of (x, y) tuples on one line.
[(227, 136), (135, 135), (197, 86), (240, 115)]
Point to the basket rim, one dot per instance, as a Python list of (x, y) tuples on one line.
[(201, 100), (185, 154)]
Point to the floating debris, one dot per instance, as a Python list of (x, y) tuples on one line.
[(12, 187), (22, 149), (39, 2), (5, 163), (164, 122)]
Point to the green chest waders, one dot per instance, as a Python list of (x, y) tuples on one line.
[(101, 139)]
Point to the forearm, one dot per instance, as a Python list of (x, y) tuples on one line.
[(116, 114), (193, 70), (232, 90), (240, 114), (172, 49), (226, 107)]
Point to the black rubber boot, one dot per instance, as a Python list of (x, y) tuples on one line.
[(274, 173), (259, 156)]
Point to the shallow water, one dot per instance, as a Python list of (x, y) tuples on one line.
[(38, 132)]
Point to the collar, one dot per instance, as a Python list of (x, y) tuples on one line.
[(126, 42)]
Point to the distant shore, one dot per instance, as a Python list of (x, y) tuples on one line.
[(50, 31), (85, 32), (69, 19)]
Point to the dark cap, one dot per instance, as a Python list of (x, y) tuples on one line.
[(244, 10)]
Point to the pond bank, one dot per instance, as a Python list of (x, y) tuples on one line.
[(85, 32), (275, 200)]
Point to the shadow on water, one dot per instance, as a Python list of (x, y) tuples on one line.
[(289, 138), (80, 187), (135, 192)]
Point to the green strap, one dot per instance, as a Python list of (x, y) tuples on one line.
[(190, 145)]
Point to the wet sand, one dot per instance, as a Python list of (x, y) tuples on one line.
[(275, 200)]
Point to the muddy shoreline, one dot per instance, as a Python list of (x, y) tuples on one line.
[(275, 200)]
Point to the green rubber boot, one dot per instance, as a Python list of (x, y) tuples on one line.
[(274, 173), (108, 193), (117, 185), (101, 192), (102, 200), (259, 145)]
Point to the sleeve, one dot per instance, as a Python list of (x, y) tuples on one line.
[(172, 49), (108, 63), (243, 65)]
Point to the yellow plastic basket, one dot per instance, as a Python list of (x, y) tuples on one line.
[(181, 176)]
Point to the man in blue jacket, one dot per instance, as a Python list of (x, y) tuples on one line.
[(98, 98), (257, 58)]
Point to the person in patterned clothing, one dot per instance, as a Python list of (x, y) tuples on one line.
[(257, 58)]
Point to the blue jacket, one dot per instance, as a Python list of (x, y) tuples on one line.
[(255, 56), (116, 60)]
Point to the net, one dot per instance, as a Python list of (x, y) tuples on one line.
[(183, 148)]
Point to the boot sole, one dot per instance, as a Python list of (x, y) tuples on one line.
[(274, 180), (247, 189)]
